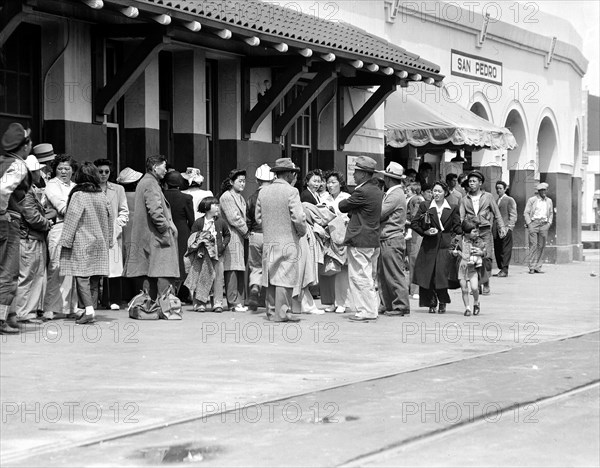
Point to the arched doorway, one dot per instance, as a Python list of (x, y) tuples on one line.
[(547, 146), (477, 108)]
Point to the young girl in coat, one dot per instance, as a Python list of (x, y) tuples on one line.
[(206, 245), (471, 250)]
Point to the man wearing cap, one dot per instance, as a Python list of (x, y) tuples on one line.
[(538, 214), (391, 267), (480, 206), (362, 239), (33, 230), (279, 211), (264, 177), (15, 183)]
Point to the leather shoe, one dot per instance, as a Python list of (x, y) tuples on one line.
[(485, 291), (399, 313), (253, 298), (537, 270), (442, 308), (432, 310), (358, 318), (467, 313), (476, 309), (502, 274), (288, 318), (12, 321), (6, 329), (85, 318), (531, 271)]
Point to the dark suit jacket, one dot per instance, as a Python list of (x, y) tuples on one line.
[(182, 211), (223, 233), (308, 197), (508, 209), (364, 207)]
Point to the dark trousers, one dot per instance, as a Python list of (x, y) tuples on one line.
[(87, 290), (486, 235), (157, 286), (111, 291), (503, 250), (10, 253), (234, 287), (392, 273), (431, 297)]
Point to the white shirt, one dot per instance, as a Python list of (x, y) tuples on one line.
[(475, 199), (540, 210), (439, 210), (56, 194)]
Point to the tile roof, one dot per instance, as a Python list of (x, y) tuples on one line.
[(271, 19)]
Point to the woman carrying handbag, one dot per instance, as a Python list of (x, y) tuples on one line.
[(437, 221)]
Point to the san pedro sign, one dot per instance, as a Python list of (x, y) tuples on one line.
[(478, 68)]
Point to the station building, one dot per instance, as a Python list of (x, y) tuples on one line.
[(225, 84)]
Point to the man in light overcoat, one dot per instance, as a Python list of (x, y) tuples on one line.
[(153, 250), (362, 239), (279, 211), (392, 266)]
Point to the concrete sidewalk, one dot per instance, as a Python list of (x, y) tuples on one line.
[(64, 385)]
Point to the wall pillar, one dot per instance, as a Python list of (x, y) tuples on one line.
[(521, 188), (142, 119), (559, 248)]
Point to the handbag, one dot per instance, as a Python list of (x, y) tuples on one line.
[(331, 267), (170, 305), (425, 221), (142, 307)]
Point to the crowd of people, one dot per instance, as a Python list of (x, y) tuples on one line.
[(70, 239)]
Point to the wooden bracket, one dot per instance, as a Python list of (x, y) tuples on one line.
[(309, 94), (271, 98), (11, 15), (346, 133), (134, 66)]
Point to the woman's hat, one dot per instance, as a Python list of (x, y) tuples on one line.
[(394, 170), (285, 165), (174, 179), (366, 164), (44, 152), (32, 163), (193, 174), (14, 136), (264, 173), (128, 176)]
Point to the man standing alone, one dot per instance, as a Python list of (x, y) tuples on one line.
[(279, 210), (480, 206), (538, 214), (503, 245), (362, 239), (392, 267)]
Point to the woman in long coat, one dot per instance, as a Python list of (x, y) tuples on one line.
[(233, 209), (153, 250), (437, 221), (86, 238), (120, 212), (182, 211)]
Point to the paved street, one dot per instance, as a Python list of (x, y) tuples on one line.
[(65, 386)]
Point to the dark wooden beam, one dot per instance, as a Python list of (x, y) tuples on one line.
[(309, 94), (11, 15), (272, 97), (364, 79), (346, 133), (130, 31), (134, 66)]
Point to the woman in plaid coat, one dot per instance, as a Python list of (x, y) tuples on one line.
[(233, 209), (86, 237)]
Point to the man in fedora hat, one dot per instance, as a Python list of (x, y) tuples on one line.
[(279, 211), (480, 206), (391, 267), (264, 177), (362, 239), (16, 182), (538, 214), (44, 152)]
